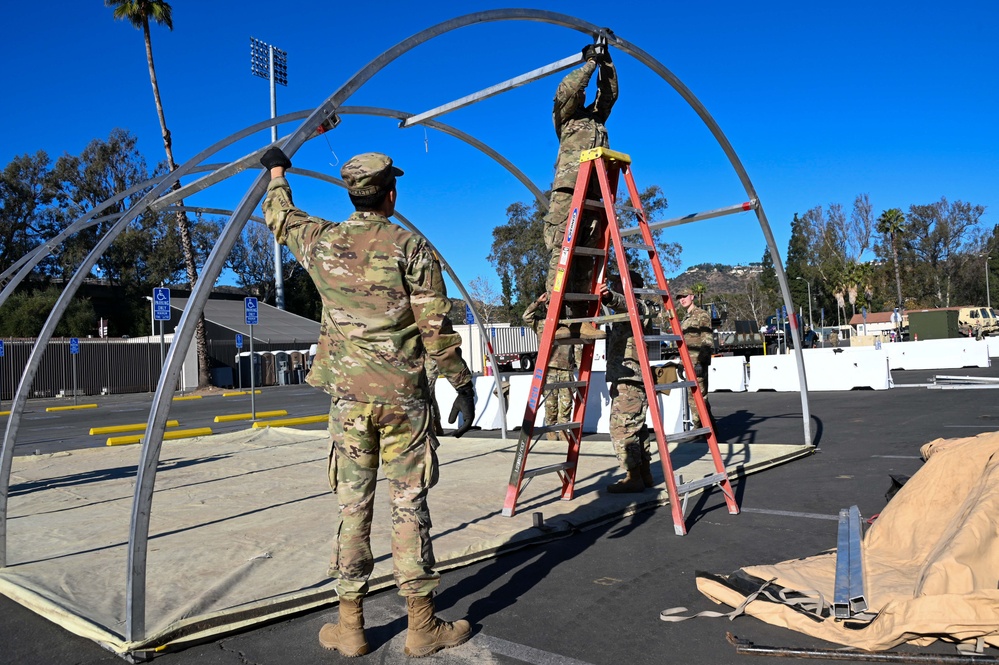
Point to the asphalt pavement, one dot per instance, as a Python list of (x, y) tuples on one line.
[(594, 597)]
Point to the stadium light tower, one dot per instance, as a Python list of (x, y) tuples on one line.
[(271, 63)]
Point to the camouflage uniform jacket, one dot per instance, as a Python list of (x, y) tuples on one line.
[(580, 127), (562, 354), (697, 333), (622, 356), (384, 303)]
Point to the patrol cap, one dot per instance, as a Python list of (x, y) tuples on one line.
[(369, 174)]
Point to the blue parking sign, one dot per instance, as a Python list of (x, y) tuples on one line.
[(239, 341), (74, 345), (1, 348), (250, 309), (469, 317), (161, 304)]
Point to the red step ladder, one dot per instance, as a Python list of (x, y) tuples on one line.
[(608, 166)]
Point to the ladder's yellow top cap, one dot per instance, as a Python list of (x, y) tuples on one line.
[(605, 153)]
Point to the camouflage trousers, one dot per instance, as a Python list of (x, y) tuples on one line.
[(581, 270), (701, 376), (558, 403), (629, 434), (400, 437)]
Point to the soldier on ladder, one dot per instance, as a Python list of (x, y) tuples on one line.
[(579, 127), (606, 167)]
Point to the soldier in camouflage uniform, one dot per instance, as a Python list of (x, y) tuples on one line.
[(699, 339), (385, 308), (558, 403), (579, 127), (629, 402)]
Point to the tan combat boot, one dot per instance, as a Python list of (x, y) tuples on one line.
[(347, 635), (427, 634), (632, 484), (591, 331), (646, 472)]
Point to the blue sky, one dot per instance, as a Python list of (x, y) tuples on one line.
[(821, 101)]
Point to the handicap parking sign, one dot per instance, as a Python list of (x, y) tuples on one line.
[(239, 341), (251, 311), (161, 304), (1, 348), (74, 345)]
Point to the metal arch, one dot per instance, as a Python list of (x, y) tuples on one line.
[(35, 256), (135, 620), (34, 359), (461, 136)]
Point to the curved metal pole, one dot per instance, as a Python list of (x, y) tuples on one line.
[(34, 359), (183, 334), (740, 170), (461, 136), (35, 256), (145, 481)]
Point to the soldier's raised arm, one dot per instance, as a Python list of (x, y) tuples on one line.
[(606, 89), (571, 94)]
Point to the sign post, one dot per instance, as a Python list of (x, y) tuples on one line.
[(1, 356), (252, 318), (239, 365), (161, 313), (74, 349)]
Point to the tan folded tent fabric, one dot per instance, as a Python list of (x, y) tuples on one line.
[(931, 560)]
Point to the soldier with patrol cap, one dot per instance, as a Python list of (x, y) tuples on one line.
[(385, 307), (699, 339)]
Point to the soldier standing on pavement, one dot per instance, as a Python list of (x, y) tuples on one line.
[(699, 338), (629, 402), (385, 307), (579, 127), (558, 403)]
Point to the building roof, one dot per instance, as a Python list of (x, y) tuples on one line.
[(872, 317), (274, 324)]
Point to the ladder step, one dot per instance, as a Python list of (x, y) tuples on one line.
[(638, 245), (593, 204), (557, 427), (652, 292), (590, 251), (678, 384), (579, 296), (551, 468), (559, 385), (688, 435), (663, 338), (700, 482)]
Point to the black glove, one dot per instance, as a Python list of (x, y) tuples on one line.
[(275, 157), (464, 404), (589, 52)]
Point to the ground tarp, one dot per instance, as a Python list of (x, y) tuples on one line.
[(931, 560), (241, 524)]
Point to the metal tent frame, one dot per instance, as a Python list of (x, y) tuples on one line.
[(161, 196)]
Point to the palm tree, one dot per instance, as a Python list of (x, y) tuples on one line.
[(892, 224), (699, 290), (139, 13)]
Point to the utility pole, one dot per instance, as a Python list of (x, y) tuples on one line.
[(809, 285), (271, 63)]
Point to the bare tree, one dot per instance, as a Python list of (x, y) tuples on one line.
[(485, 297)]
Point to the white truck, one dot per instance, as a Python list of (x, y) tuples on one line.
[(515, 347)]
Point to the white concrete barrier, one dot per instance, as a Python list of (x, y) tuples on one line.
[(825, 369), (940, 353), (597, 417), (727, 373)]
